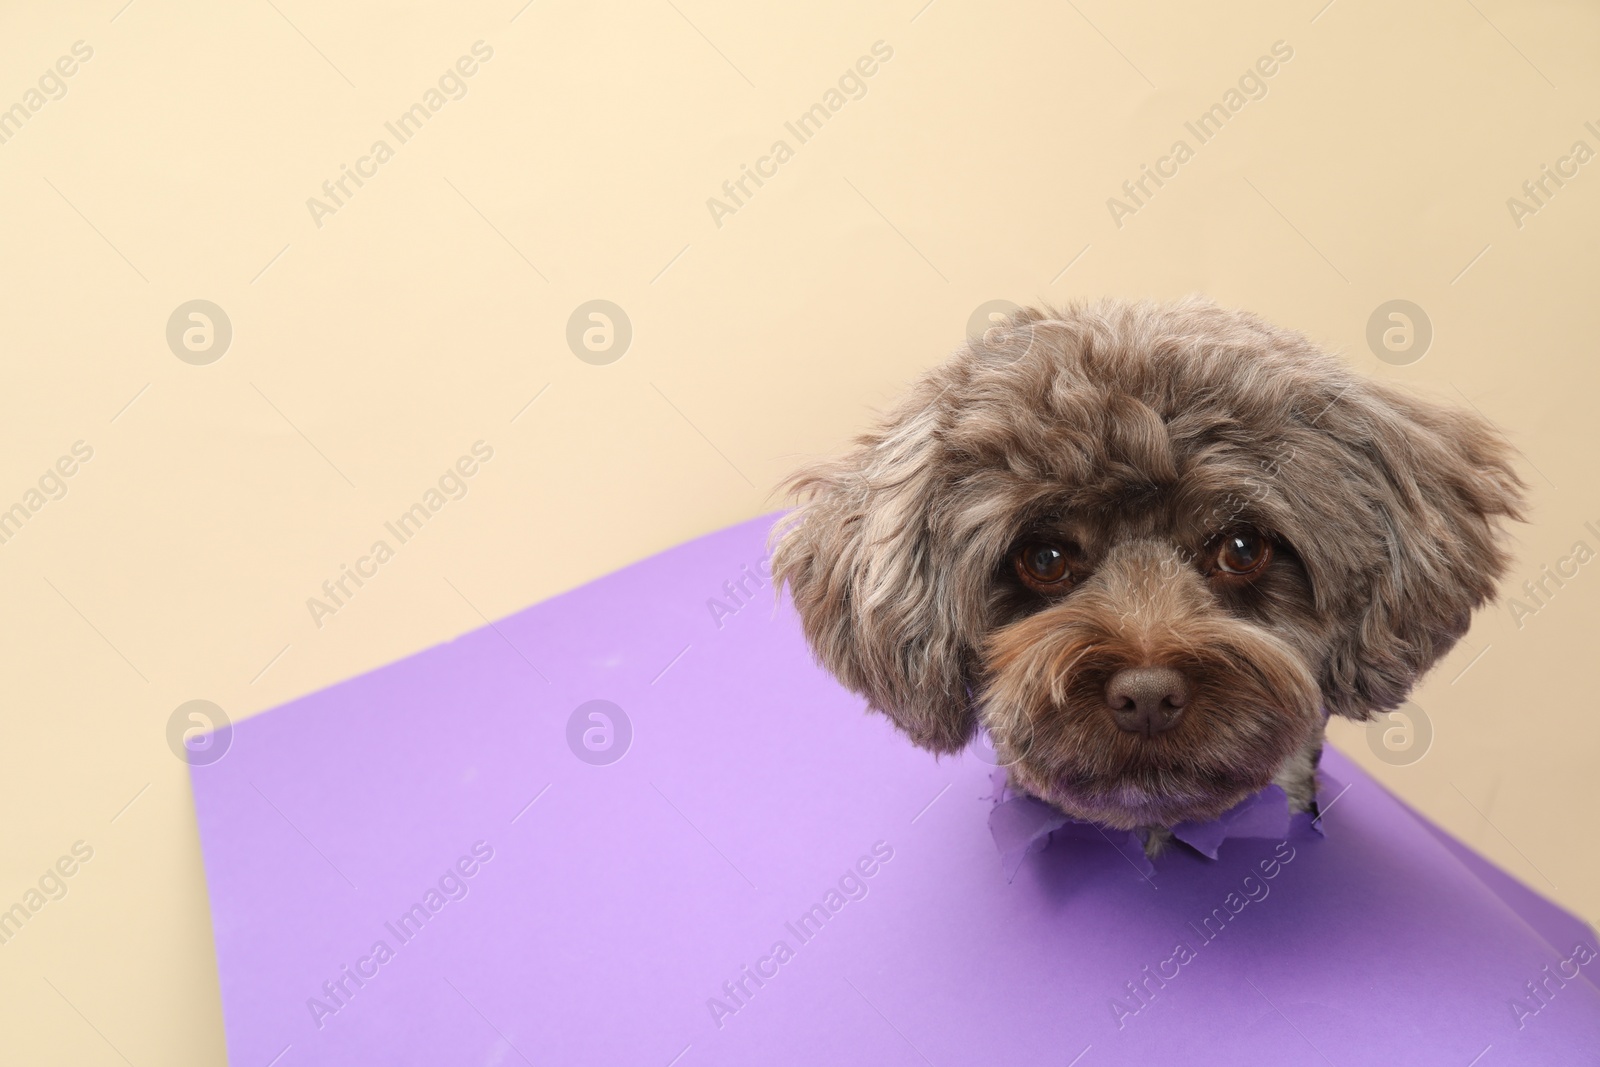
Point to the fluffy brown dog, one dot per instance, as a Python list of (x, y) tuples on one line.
[(1149, 547)]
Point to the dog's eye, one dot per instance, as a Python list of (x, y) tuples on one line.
[(1043, 567), (1243, 553)]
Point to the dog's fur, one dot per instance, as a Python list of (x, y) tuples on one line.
[(1139, 432)]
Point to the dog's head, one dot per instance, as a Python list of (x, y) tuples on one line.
[(1147, 547)]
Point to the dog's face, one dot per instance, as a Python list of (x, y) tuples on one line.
[(1148, 547)]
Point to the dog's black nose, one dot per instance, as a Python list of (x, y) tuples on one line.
[(1147, 700)]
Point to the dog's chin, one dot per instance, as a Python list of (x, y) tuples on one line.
[(1158, 797), (1219, 756)]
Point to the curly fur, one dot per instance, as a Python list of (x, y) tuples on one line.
[(1139, 431)]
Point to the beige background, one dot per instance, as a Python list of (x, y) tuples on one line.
[(425, 314)]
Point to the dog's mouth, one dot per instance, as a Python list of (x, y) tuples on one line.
[(1153, 788), (1155, 736)]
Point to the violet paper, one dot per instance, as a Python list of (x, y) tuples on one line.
[(770, 875)]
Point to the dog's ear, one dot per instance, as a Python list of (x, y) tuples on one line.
[(1438, 483), (874, 579)]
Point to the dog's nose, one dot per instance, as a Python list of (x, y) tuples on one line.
[(1147, 700)]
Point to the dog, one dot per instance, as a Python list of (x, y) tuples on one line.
[(1149, 548)]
